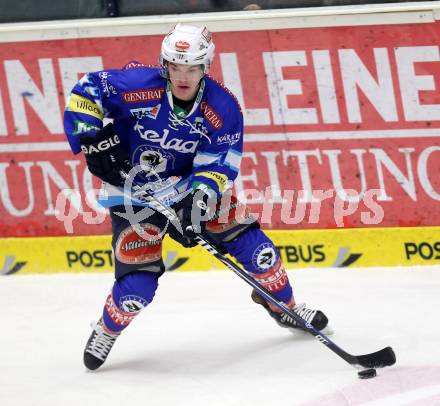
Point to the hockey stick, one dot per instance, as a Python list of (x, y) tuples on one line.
[(378, 359)]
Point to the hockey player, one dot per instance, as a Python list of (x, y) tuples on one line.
[(181, 133)]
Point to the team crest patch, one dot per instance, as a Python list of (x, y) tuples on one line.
[(132, 303), (139, 244), (264, 257), (118, 316)]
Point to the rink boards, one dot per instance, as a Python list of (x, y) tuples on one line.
[(342, 123), (343, 248), (340, 106)]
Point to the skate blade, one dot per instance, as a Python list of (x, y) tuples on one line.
[(327, 330)]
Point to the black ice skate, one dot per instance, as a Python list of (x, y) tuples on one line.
[(315, 317), (98, 346)]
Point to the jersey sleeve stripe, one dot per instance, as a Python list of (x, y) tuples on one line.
[(203, 158), (233, 159)]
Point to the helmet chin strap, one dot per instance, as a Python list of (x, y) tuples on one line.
[(198, 96)]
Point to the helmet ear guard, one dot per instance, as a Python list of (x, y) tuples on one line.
[(188, 45)]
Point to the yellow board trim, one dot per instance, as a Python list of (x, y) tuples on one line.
[(79, 104), (367, 247)]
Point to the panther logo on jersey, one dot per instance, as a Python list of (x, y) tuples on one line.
[(153, 159)]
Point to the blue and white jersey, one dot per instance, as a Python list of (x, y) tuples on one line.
[(201, 147)]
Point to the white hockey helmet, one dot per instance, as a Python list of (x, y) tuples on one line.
[(188, 45)]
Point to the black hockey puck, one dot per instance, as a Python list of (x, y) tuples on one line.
[(367, 373)]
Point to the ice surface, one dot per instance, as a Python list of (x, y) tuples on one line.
[(203, 342)]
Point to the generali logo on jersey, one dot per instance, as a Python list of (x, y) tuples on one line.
[(141, 95), (211, 115)]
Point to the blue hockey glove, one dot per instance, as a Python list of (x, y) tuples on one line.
[(105, 156)]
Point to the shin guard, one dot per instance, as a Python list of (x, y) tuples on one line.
[(130, 294), (258, 255)]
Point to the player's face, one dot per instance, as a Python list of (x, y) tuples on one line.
[(185, 80)]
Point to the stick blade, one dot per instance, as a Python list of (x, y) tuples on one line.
[(379, 359)]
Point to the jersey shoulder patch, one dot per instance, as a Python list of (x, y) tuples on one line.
[(136, 64), (221, 91)]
